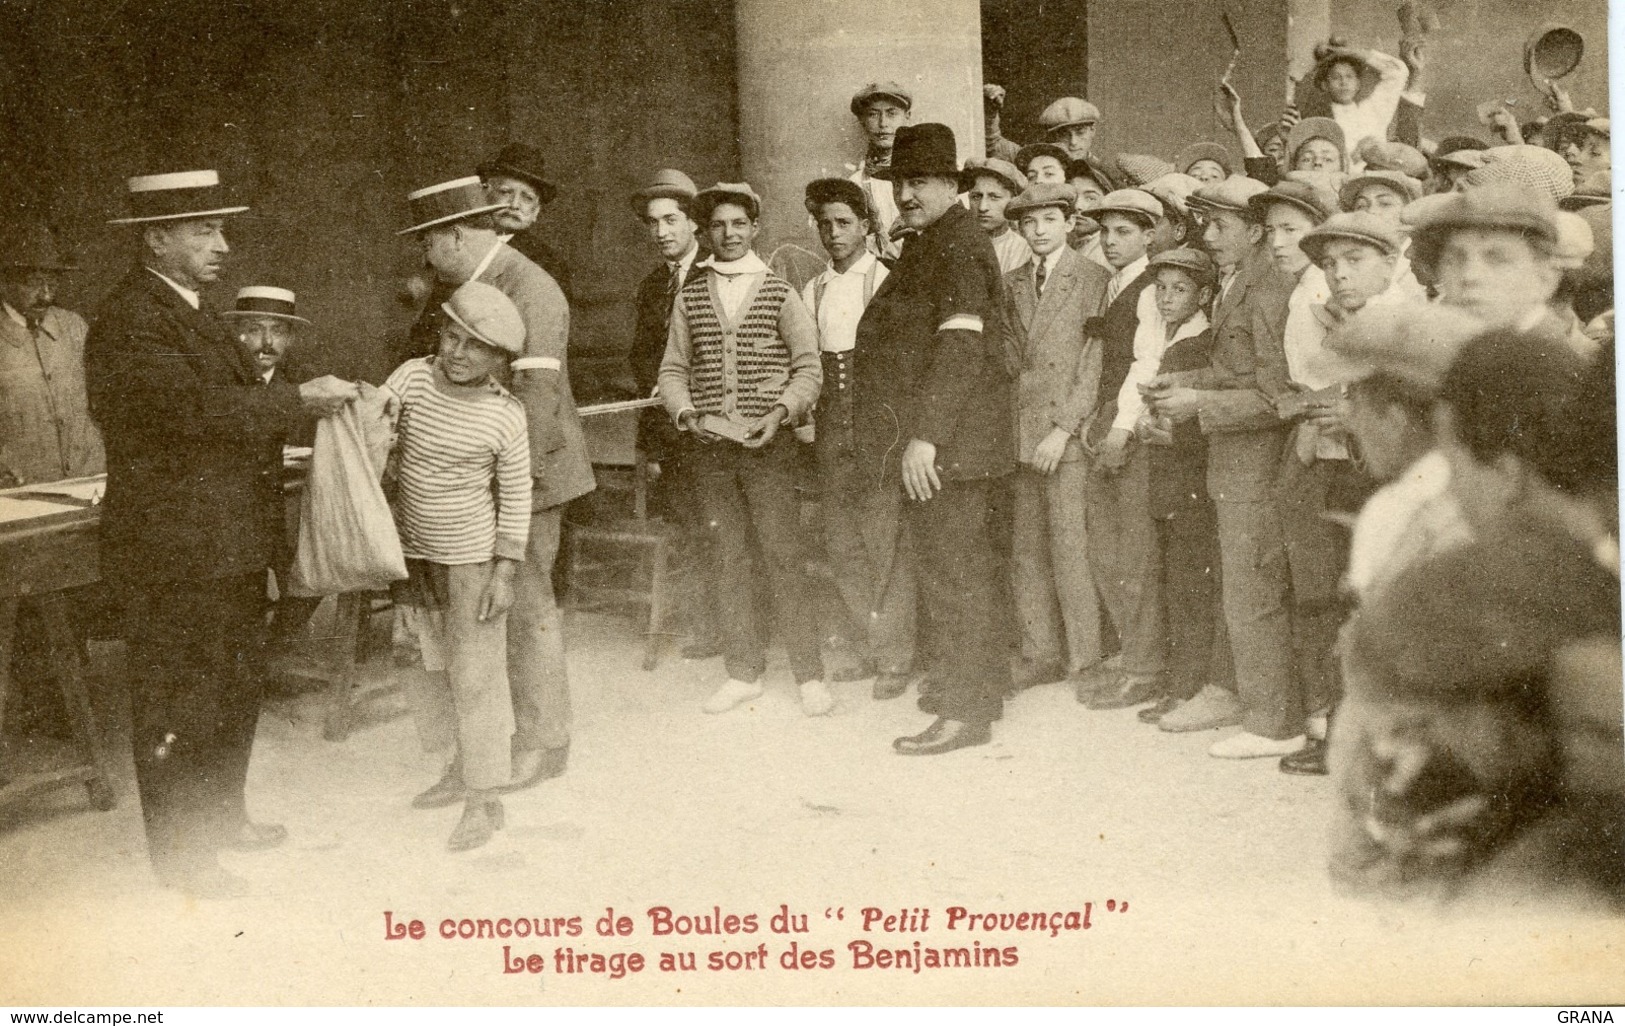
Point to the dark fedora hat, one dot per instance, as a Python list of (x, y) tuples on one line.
[(926, 149), (31, 246), (517, 160)]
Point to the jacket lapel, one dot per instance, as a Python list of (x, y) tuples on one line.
[(1026, 296), (1059, 289), (209, 336)]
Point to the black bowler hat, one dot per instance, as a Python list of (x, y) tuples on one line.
[(524, 163), (917, 150)]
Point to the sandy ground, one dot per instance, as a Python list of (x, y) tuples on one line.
[(1220, 866)]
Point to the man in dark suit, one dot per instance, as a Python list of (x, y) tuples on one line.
[(933, 414), (514, 177), (192, 519)]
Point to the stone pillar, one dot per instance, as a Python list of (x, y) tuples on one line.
[(799, 63)]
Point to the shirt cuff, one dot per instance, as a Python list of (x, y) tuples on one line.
[(678, 419), (513, 549)]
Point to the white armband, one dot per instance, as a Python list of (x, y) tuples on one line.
[(525, 363), (961, 322)]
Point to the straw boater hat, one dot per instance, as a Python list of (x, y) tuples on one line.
[(455, 200), (178, 196), (265, 301)]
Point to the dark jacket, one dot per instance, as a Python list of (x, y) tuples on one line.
[(657, 436), (1179, 471), (194, 440), (934, 360), (1115, 327)]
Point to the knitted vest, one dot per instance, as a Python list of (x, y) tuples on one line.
[(760, 361)]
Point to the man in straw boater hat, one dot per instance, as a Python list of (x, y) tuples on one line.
[(266, 321), (456, 223), (192, 519), (933, 416)]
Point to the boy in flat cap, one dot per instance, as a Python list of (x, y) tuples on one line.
[(462, 468), (989, 186), (1052, 297), (1070, 123), (863, 520), (741, 364), (881, 109)]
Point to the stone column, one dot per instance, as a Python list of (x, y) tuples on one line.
[(799, 63)]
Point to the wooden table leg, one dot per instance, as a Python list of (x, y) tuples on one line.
[(347, 614), (69, 667)]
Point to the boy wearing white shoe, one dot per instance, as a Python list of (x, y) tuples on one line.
[(741, 367)]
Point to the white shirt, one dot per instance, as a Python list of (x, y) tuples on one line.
[(1150, 342), (1307, 360), (1012, 249), (1405, 521), (884, 202), (1370, 117), (735, 279), (685, 261), (841, 308), (1124, 278), (185, 293)]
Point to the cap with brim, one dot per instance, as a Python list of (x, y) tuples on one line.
[(1403, 184), (1138, 169), (880, 90), (1533, 167), (1188, 157), (178, 196), (455, 200), (1133, 203), (1467, 159), (1386, 155), (1234, 194), (1174, 190), (1415, 342), (1316, 202), (264, 301), (523, 162), (1040, 196), (1197, 263), (1068, 111), (1355, 226), (1025, 155), (1003, 170), (707, 200), (1495, 207), (667, 183), (837, 190), (1315, 128), (485, 311), (33, 247)]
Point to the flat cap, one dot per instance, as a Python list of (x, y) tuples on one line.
[(1025, 155), (1353, 226), (1312, 198), (837, 190), (487, 314), (1187, 157), (1234, 194), (1068, 111), (1040, 195), (1136, 203), (1137, 169), (1533, 167), (1398, 181), (707, 200), (881, 90), (1497, 207), (1415, 342), (667, 183), (1383, 155), (1315, 128), (1000, 169), (1198, 263), (1174, 190), (1080, 167)]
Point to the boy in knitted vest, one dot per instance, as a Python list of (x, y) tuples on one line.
[(741, 364)]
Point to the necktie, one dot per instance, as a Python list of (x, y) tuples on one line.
[(1114, 289), (1038, 278), (674, 282)]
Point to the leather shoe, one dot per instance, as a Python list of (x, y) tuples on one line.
[(1089, 682), (1308, 761), (1031, 675), (1154, 713), (1131, 689), (253, 836), (480, 820), (534, 765), (857, 671), (890, 685), (448, 790), (944, 735)]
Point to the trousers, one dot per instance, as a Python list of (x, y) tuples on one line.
[(873, 561), (537, 673), (1122, 553), (1051, 578), (1258, 625), (194, 707), (1193, 608)]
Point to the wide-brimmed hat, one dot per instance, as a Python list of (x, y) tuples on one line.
[(837, 190), (1315, 128), (517, 160), (1311, 198), (1135, 203), (707, 200), (1355, 226), (926, 149), (1196, 151), (486, 312), (1000, 169), (1041, 195), (881, 90), (31, 246), (667, 183), (1404, 184), (265, 301), (177, 196), (456, 200), (1066, 112)]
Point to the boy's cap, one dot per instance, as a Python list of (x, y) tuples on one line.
[(1068, 111), (1404, 184), (1533, 167), (1199, 264), (1136, 203), (1310, 197), (1205, 151), (837, 190), (883, 91), (1000, 169), (1025, 155), (1234, 194), (1415, 342), (1383, 155), (1358, 226), (1138, 169), (1040, 195), (488, 314)]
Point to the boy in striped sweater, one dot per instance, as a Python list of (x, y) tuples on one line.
[(462, 471)]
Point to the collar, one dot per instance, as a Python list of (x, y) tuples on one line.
[(16, 318), (871, 164), (687, 259), (1190, 327), (490, 255), (750, 263), (859, 268), (1132, 271), (191, 297)]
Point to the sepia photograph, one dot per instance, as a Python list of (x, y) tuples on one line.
[(518, 503)]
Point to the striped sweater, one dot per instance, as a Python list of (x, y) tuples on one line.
[(463, 469)]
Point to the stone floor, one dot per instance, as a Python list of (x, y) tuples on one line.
[(1219, 866)]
